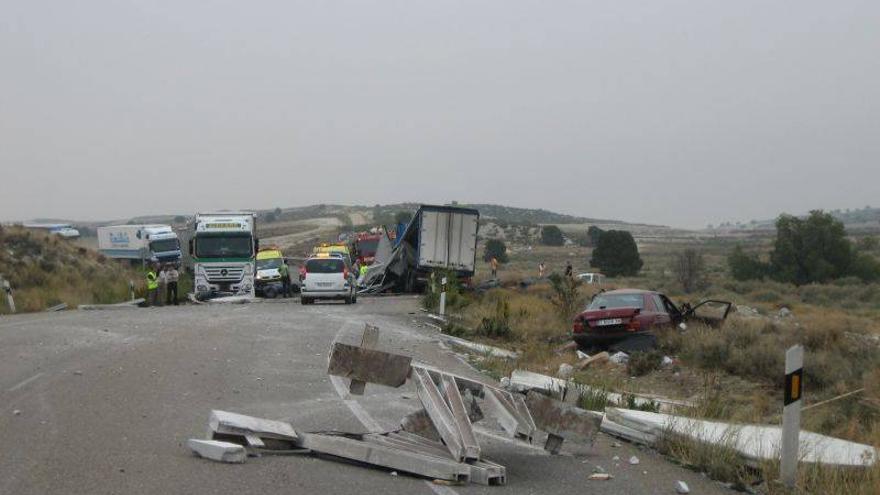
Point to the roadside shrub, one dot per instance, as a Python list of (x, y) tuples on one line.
[(642, 363), (565, 295), (497, 325), (495, 248), (552, 236), (689, 268)]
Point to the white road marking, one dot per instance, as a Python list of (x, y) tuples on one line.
[(25, 382), (24, 322), (364, 417)]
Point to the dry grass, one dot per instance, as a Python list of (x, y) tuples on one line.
[(45, 270)]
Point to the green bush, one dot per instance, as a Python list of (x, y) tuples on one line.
[(552, 236), (497, 325), (642, 363), (495, 248), (617, 254)]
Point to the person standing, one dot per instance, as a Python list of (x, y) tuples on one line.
[(284, 271), (152, 285), (541, 269), (494, 263), (171, 278), (569, 271)]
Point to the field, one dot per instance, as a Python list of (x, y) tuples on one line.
[(733, 373)]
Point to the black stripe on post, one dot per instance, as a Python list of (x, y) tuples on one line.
[(794, 386)]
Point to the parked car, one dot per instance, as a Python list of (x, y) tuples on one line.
[(327, 276), (626, 319), (591, 278)]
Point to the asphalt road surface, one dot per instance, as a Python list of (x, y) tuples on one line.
[(102, 402)]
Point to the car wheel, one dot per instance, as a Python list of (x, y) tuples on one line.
[(348, 300), (269, 293)]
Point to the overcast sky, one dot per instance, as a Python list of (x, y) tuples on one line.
[(675, 112)]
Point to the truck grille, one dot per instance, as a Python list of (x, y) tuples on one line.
[(224, 273)]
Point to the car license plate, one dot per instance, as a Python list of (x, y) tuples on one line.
[(609, 322), (325, 284)]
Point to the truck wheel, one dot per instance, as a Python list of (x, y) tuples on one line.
[(304, 300), (348, 299)]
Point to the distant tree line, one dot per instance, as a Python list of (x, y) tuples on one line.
[(807, 250)]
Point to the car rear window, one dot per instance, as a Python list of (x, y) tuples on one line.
[(328, 265), (610, 301)]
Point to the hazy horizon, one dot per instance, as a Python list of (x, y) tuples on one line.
[(675, 113)]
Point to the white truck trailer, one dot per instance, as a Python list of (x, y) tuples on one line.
[(223, 249), (139, 243), (437, 238)]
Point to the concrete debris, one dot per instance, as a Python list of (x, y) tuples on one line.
[(667, 361), (16, 412), (227, 423), (369, 340), (619, 358), (601, 477), (565, 371), (483, 349), (218, 451), (747, 312), (233, 300), (682, 487), (369, 365), (57, 307), (633, 460), (561, 421), (615, 458), (582, 355), (783, 313), (755, 443), (596, 358), (133, 304)]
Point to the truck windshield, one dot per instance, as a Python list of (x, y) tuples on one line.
[(224, 246), (164, 245), (269, 264)]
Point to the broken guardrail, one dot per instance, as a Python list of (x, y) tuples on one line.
[(437, 441)]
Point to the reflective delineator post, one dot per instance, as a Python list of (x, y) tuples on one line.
[(131, 290), (443, 296), (4, 284), (791, 414)]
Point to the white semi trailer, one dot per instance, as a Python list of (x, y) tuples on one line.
[(223, 248), (139, 243)]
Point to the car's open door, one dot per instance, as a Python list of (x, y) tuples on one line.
[(711, 312)]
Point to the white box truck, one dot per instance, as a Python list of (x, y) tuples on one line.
[(223, 248), (139, 243), (437, 238)]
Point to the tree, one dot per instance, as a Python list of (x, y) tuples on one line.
[(495, 248), (179, 219), (808, 250), (617, 254), (593, 235), (689, 269), (552, 236), (744, 266), (402, 217)]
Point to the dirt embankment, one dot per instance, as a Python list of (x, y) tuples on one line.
[(45, 270)]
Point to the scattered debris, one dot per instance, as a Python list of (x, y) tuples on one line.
[(57, 307), (619, 358), (596, 358), (580, 354), (561, 421), (633, 460), (565, 371), (218, 451), (16, 412), (133, 304), (783, 313), (484, 349), (667, 361), (369, 340), (756, 443), (601, 477), (682, 487)]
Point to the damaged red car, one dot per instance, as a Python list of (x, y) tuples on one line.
[(626, 319)]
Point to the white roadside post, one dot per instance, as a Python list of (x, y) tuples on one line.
[(131, 290), (4, 284), (443, 296), (791, 414)]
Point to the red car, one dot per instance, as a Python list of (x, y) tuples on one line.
[(625, 319)]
